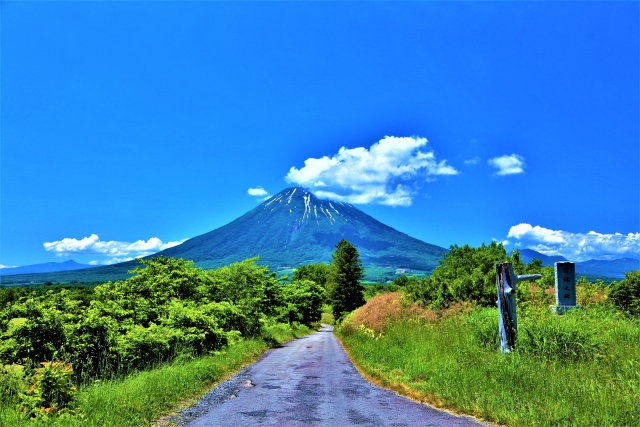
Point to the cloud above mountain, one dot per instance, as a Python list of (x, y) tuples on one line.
[(117, 251), (258, 191), (576, 246), (385, 173)]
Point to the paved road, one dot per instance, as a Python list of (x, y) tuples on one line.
[(310, 382)]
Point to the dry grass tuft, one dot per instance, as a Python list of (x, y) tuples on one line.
[(387, 309)]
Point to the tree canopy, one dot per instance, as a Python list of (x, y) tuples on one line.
[(344, 290)]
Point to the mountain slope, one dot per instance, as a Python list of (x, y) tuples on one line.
[(294, 227), (47, 267), (290, 229), (603, 268), (527, 255)]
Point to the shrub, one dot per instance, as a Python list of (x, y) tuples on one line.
[(625, 294), (36, 337), (51, 390)]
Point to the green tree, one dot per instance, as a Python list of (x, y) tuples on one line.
[(303, 301), (343, 284), (315, 272)]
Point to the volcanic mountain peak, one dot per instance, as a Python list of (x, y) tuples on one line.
[(303, 206), (293, 228)]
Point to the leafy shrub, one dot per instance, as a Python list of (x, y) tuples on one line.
[(51, 390), (142, 347), (625, 294), (465, 274), (169, 309), (37, 337)]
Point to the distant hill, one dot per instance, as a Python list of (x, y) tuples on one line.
[(613, 268), (599, 268), (47, 267), (290, 229), (527, 255)]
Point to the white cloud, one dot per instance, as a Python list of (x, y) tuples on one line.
[(473, 161), (382, 174), (258, 191), (576, 246), (508, 165), (94, 246), (7, 266)]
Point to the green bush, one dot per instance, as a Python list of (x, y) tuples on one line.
[(625, 294), (51, 390)]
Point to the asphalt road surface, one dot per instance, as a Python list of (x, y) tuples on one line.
[(310, 382)]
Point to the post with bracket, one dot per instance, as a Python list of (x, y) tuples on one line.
[(506, 281)]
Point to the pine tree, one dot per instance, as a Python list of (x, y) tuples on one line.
[(343, 284)]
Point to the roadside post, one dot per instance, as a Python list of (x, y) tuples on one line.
[(565, 287), (506, 281)]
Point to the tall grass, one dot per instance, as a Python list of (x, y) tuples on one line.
[(140, 398), (574, 370)]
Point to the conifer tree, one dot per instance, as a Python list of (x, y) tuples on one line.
[(343, 284)]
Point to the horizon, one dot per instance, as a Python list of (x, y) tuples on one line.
[(128, 127)]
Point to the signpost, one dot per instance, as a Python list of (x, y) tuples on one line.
[(506, 281), (565, 287)]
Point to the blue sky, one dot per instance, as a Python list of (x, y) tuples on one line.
[(130, 126)]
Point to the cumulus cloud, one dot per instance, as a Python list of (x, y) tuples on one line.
[(258, 191), (473, 161), (508, 165), (576, 246), (122, 251), (6, 266), (383, 174)]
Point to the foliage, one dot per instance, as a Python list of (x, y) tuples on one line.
[(303, 299), (626, 294), (318, 273), (468, 274), (371, 291), (343, 284), (11, 384), (51, 390), (140, 398), (169, 308)]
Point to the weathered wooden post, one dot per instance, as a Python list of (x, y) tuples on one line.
[(506, 281), (565, 287)]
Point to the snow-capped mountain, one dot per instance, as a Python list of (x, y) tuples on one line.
[(295, 227)]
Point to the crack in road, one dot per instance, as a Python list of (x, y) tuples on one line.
[(309, 382)]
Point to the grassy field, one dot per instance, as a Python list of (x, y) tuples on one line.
[(141, 398), (580, 369)]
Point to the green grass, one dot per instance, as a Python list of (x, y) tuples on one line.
[(141, 398), (453, 363)]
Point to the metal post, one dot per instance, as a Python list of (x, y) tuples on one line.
[(506, 281)]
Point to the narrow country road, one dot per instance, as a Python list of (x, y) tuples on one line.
[(310, 382)]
